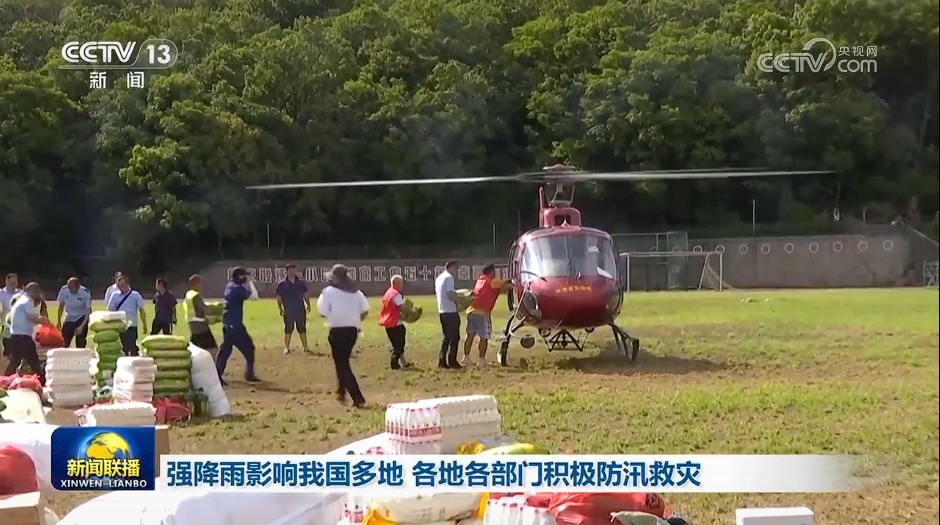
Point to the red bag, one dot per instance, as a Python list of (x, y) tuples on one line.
[(49, 336), (169, 411), (14, 382), (580, 508), (17, 472)]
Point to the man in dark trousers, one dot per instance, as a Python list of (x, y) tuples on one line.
[(195, 311), (234, 332), (344, 307), (74, 308), (24, 316), (164, 309), (444, 289), (294, 305)]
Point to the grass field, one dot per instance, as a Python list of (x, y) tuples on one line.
[(787, 372)]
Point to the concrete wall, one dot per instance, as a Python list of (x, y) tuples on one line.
[(811, 262), (775, 262), (372, 276)]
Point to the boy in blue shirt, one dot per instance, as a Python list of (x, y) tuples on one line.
[(75, 306), (234, 332)]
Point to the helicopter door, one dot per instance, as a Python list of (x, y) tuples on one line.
[(513, 276)]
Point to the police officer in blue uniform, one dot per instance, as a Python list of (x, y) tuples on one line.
[(234, 332)]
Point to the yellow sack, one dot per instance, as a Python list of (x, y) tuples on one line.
[(516, 449), (107, 336), (409, 312), (164, 342), (173, 364), (478, 446), (166, 354), (172, 374), (110, 348), (464, 299), (105, 326)]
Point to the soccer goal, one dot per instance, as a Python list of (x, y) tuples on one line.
[(656, 271)]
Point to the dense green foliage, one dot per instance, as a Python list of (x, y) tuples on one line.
[(306, 90)]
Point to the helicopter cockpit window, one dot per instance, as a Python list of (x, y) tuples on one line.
[(569, 255)]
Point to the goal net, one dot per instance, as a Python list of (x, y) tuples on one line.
[(657, 271)]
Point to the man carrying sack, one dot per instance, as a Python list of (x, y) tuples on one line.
[(344, 307), (24, 316), (392, 318), (196, 314)]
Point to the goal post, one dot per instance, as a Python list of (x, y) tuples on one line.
[(677, 270)]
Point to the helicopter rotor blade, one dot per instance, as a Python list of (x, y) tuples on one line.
[(551, 176), (379, 183), (670, 175)]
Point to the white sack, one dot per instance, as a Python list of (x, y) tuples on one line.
[(206, 376), (70, 353), (75, 380)]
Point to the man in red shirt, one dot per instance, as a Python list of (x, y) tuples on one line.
[(485, 293), (390, 318)]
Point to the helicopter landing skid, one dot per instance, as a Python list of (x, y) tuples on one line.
[(503, 354), (562, 339), (627, 345)]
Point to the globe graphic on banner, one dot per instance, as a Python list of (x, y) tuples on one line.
[(106, 445)]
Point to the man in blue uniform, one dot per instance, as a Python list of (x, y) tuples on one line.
[(234, 332)]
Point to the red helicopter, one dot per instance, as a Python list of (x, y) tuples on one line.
[(564, 277)]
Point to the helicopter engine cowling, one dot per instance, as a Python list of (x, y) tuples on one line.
[(571, 302)]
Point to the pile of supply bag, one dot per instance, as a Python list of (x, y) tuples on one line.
[(70, 377), (105, 329), (133, 380), (174, 364)]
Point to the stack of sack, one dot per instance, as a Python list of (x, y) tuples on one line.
[(133, 380), (205, 377), (174, 364), (214, 312), (106, 329), (131, 414), (70, 377)]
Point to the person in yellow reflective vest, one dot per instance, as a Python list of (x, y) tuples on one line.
[(194, 308)]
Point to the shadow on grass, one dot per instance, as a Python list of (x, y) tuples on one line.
[(611, 363)]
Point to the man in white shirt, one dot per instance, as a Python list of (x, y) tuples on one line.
[(444, 289), (10, 290), (344, 307), (113, 289), (23, 318), (132, 304)]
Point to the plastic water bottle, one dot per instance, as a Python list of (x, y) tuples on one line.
[(358, 514)]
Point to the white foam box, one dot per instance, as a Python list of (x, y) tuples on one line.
[(776, 516)]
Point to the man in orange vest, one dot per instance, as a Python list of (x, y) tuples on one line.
[(390, 318), (485, 293)]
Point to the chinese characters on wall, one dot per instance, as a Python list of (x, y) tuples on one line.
[(365, 273)]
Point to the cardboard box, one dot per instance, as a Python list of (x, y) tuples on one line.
[(162, 444), (22, 509)]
